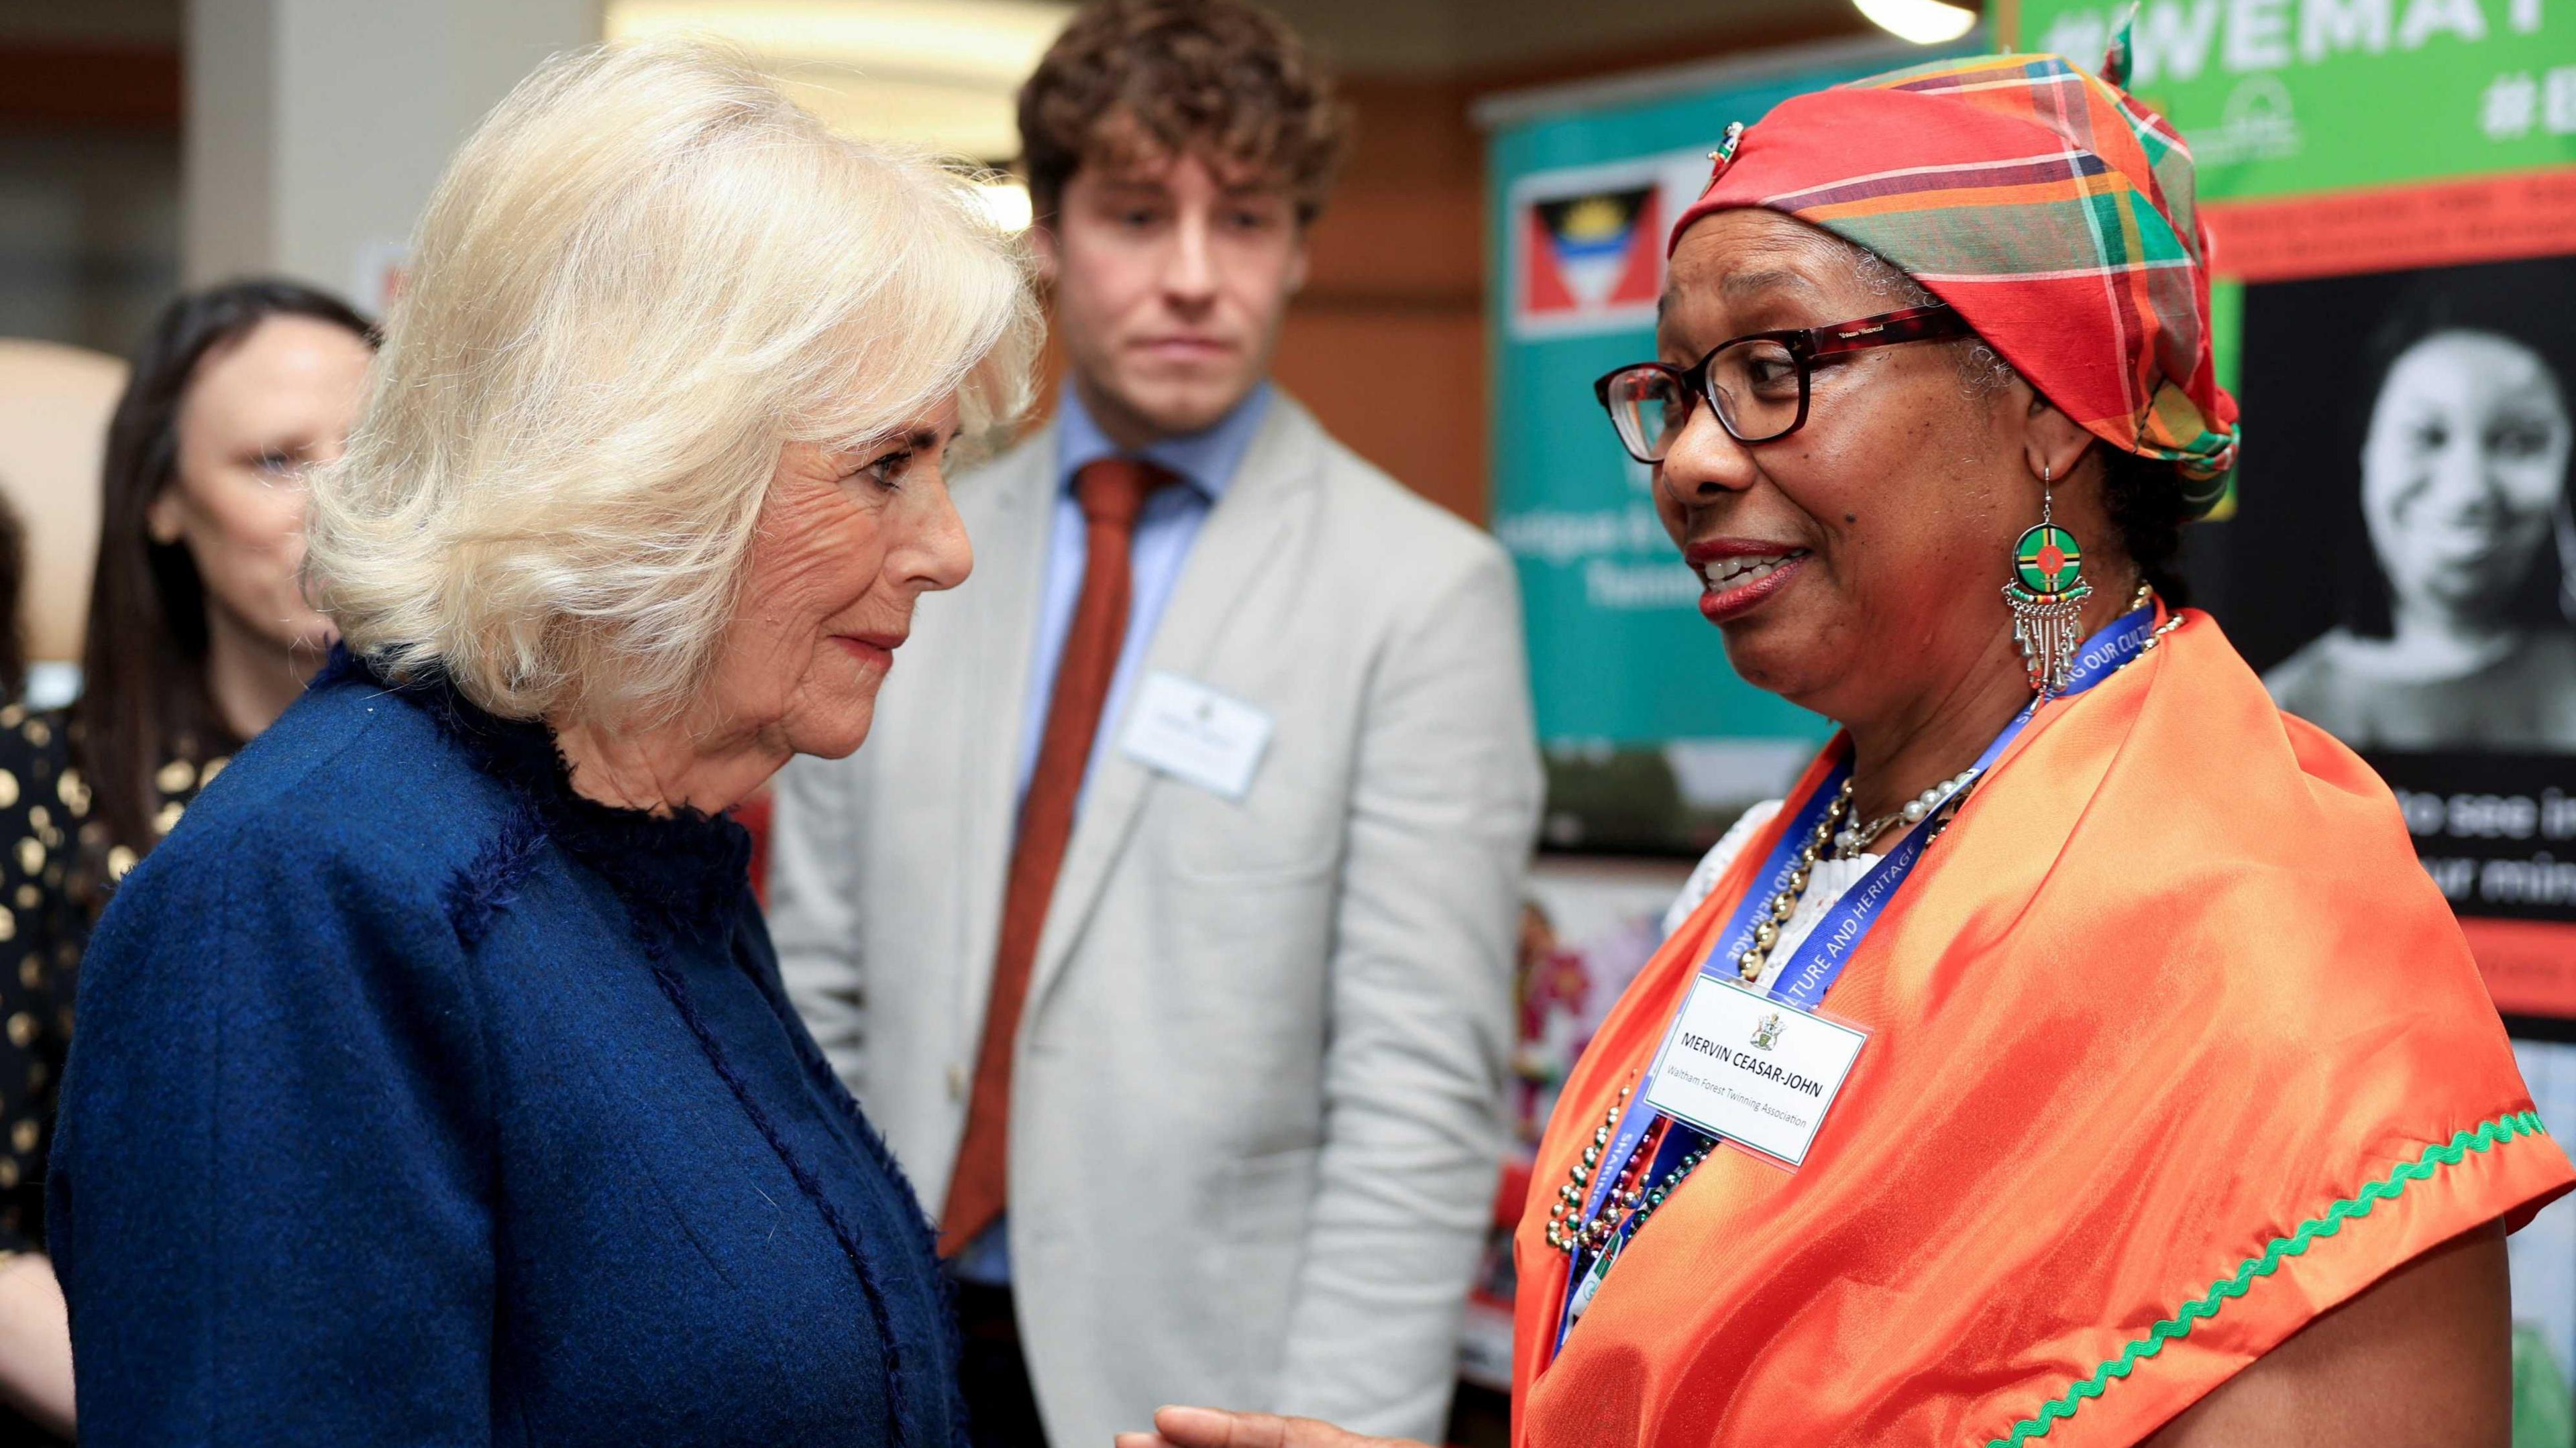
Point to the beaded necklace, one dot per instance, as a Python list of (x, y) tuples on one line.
[(1849, 843), (1634, 1199)]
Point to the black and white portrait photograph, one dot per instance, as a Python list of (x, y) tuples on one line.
[(2398, 570)]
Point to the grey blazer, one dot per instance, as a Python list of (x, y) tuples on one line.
[(1255, 1120)]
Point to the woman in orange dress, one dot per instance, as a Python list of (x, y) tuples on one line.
[(2078, 1056)]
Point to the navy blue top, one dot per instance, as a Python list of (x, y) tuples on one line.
[(418, 1100)]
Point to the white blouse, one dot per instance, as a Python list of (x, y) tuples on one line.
[(1826, 883)]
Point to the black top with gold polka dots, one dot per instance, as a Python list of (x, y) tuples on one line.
[(48, 844)]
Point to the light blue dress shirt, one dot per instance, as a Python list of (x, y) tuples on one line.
[(1205, 462)]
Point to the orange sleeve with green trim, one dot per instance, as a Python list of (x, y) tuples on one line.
[(2173, 1047)]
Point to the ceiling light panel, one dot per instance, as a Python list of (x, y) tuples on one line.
[(943, 75), (1924, 22), (996, 42)]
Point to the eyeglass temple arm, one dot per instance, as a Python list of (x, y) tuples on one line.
[(1914, 324)]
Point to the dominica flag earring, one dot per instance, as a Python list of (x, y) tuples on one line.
[(2046, 595)]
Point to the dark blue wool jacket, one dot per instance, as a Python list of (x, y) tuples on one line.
[(416, 1099)]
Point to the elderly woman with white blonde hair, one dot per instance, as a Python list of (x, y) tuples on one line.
[(434, 1083)]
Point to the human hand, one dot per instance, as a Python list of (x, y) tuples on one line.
[(1217, 1428), (35, 1343)]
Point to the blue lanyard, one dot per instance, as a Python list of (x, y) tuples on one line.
[(1819, 961)]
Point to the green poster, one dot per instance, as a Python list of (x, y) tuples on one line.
[(2291, 97)]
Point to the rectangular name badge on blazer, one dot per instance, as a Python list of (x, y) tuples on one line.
[(1189, 731), (1752, 1070)]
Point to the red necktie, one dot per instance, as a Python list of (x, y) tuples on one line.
[(1111, 493)]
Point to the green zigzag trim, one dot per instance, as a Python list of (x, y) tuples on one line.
[(2486, 1138)]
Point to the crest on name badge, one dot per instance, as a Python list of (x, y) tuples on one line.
[(1766, 1032)]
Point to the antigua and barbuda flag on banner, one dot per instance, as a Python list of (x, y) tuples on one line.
[(1592, 252), (1587, 243)]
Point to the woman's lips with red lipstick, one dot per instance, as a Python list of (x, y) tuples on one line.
[(1735, 574)]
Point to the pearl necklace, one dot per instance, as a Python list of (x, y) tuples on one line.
[(1631, 1199), (1848, 843)]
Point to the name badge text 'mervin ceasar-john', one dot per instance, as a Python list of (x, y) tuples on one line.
[(1752, 1070)]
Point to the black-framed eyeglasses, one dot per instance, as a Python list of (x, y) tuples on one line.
[(1757, 384)]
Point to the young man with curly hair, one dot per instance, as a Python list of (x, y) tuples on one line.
[(1166, 921)]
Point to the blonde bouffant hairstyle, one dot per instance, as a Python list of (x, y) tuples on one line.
[(643, 275)]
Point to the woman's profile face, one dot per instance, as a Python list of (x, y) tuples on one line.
[(2462, 471), (847, 543), (256, 416), (1834, 556)]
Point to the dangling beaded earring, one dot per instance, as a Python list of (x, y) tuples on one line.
[(2046, 595)]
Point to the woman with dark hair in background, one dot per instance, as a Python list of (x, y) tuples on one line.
[(198, 638), (2458, 641)]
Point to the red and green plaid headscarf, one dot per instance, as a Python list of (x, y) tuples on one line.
[(2047, 206)]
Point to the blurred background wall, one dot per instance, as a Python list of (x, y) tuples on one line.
[(150, 143), (89, 168)]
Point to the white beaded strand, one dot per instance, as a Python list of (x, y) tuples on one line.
[(1567, 1230)]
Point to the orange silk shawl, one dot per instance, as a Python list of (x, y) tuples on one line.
[(2153, 1023)]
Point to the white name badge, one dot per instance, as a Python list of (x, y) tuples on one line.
[(1744, 1067), (1195, 734)]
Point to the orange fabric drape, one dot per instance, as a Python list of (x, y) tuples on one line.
[(2171, 986)]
